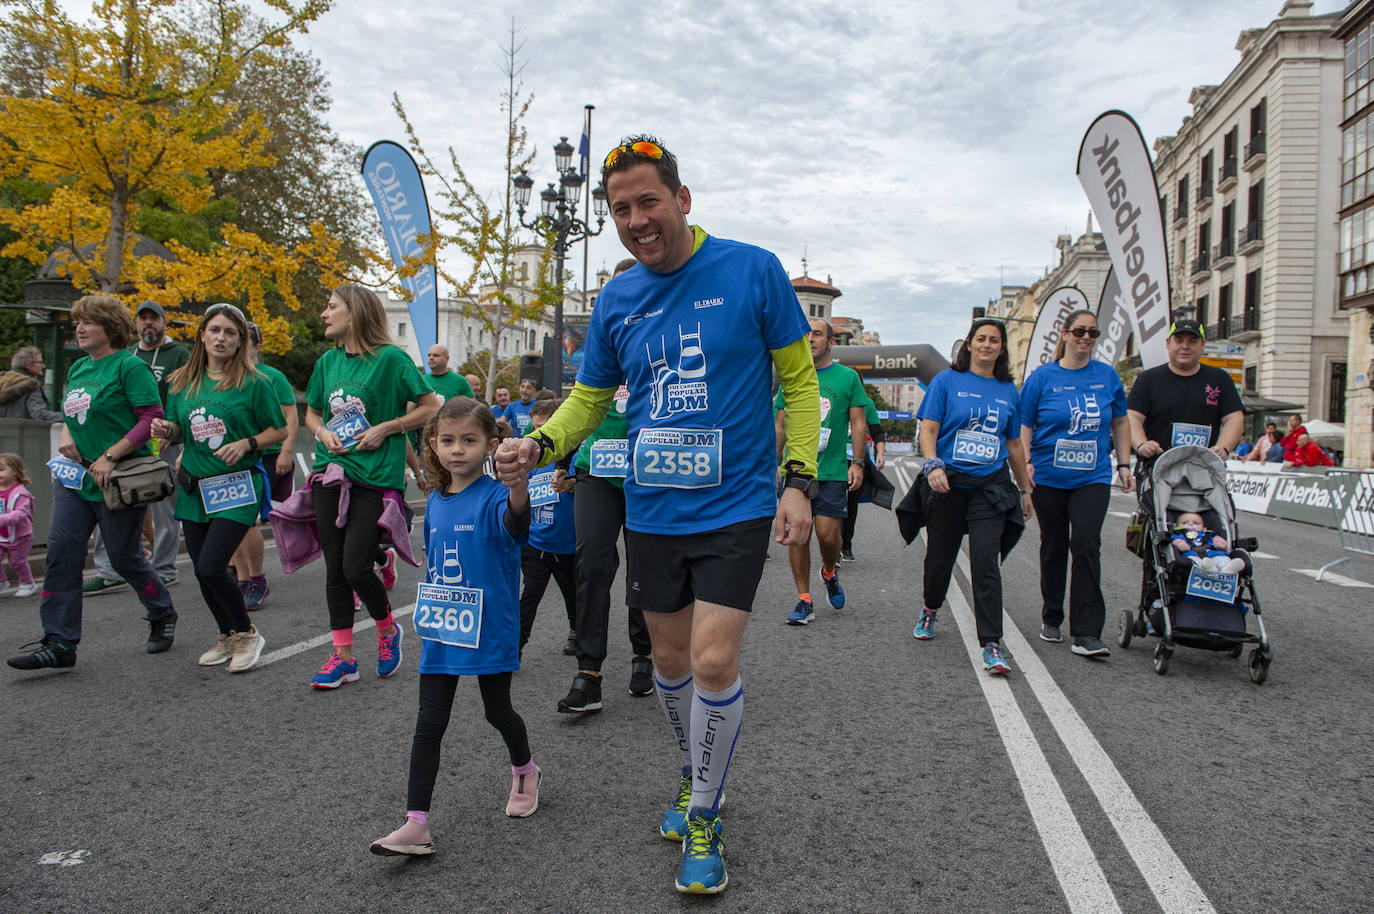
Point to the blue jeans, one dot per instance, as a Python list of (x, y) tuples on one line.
[(73, 520)]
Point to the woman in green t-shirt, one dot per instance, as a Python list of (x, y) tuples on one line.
[(109, 406), (225, 412), (356, 409)]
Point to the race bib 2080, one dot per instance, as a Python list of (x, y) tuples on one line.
[(1075, 455)]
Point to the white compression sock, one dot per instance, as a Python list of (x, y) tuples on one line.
[(716, 719), (674, 696)]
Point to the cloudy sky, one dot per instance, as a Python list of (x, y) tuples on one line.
[(917, 152)]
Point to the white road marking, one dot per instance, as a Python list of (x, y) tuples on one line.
[(1257, 554), (1075, 865), (1119, 513), (63, 858), (299, 647), (1332, 577)]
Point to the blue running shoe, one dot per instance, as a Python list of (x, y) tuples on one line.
[(673, 824), (702, 871), (993, 661), (925, 628), (799, 616), (335, 672), (833, 590), (389, 651)]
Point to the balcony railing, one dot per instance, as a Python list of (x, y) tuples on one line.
[(1254, 149), (1251, 236), (1250, 320), (1220, 330), (1225, 252), (1181, 213), (1228, 173), (1202, 264), (1204, 193)]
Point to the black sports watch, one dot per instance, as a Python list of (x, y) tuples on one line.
[(796, 479)]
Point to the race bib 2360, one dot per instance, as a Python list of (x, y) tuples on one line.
[(679, 458), (449, 614)]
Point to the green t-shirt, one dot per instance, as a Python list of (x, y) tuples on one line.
[(381, 384), (286, 397), (163, 360), (210, 418), (99, 406), (841, 388), (613, 426), (449, 384)]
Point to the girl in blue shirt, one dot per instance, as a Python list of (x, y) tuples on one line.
[(467, 612), (1073, 410), (970, 424)]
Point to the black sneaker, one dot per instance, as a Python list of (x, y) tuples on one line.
[(584, 696), (846, 555), (641, 676), (49, 652), (161, 633), (1090, 647), (1051, 634), (570, 646)]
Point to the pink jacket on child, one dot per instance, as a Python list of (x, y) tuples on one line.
[(16, 513)]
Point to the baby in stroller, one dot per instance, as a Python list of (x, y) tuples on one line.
[(1194, 542)]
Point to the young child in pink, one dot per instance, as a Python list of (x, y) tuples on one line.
[(16, 522)]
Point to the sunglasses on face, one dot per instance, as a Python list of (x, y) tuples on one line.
[(1090, 332), (643, 148)]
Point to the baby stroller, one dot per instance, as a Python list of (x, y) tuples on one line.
[(1179, 602)]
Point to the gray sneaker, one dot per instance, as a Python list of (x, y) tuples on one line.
[(1051, 634), (1090, 647)]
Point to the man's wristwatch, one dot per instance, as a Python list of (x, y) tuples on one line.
[(796, 479)]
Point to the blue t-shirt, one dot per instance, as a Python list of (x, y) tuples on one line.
[(551, 525), (1070, 413), (694, 346), (467, 544), (518, 415), (976, 417)]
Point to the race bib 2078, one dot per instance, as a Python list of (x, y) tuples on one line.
[(1188, 433)]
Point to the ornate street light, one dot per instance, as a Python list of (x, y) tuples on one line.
[(558, 216)]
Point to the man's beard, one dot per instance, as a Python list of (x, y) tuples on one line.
[(152, 337)]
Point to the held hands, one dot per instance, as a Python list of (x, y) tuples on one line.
[(515, 457), (1127, 479), (285, 462), (792, 526)]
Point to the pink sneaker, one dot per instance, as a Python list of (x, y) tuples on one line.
[(388, 572), (524, 794), (410, 840)]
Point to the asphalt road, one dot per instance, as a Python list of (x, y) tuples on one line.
[(874, 772)]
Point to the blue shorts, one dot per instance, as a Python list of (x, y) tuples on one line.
[(832, 500)]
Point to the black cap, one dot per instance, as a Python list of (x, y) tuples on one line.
[(153, 307), (1188, 326)]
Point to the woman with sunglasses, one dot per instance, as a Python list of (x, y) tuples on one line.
[(224, 412), (356, 409), (1074, 426), (969, 436)]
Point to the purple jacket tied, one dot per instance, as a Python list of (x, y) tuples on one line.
[(294, 521)]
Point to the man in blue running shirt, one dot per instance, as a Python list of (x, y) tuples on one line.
[(697, 326)]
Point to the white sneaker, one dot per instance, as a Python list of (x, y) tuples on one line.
[(221, 651), (26, 590), (247, 649)]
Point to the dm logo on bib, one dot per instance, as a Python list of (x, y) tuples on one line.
[(680, 388), (77, 403), (206, 428), (1085, 415)]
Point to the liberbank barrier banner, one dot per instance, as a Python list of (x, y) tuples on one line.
[(1312, 496), (398, 192), (1115, 171), (1114, 321), (1049, 325)]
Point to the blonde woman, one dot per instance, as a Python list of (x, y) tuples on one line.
[(356, 409)]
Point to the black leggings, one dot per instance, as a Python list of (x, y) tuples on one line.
[(211, 546), (536, 567), (349, 552), (436, 703), (1071, 525), (950, 517)]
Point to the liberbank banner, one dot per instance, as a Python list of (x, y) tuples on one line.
[(1114, 321), (1115, 171), (398, 192), (1312, 496), (1049, 325)]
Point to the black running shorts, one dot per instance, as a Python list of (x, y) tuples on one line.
[(665, 572)]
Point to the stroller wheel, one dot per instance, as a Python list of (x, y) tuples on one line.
[(1259, 666), (1162, 657), (1126, 629)]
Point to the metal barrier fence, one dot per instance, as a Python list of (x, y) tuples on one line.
[(1352, 507)]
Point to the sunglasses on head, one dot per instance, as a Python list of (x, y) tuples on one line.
[(642, 148), (225, 306), (1090, 332)]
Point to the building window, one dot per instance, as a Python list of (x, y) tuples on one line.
[(1252, 378), (1356, 268), (1252, 295), (1357, 70), (401, 330), (1181, 210), (1258, 115), (1335, 406), (1229, 144), (523, 274), (1356, 180), (1201, 308), (1204, 185), (1254, 213)]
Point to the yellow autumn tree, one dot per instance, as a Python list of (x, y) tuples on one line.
[(133, 105)]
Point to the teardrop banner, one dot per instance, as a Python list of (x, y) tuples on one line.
[(394, 182), (1116, 173), (1049, 325), (1114, 322)]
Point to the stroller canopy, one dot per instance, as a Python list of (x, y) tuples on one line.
[(1191, 478)]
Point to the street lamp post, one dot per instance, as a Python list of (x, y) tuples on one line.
[(558, 215)]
